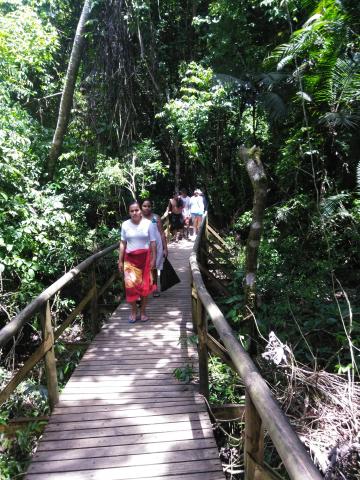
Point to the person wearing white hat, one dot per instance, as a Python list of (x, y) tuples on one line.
[(196, 209)]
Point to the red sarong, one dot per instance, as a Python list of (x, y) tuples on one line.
[(137, 274)]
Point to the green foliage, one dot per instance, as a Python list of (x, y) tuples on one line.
[(27, 46), (225, 384), (184, 374)]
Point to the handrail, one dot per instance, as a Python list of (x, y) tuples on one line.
[(260, 401), (11, 328), (41, 305)]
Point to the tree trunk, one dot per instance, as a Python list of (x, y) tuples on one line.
[(68, 91), (251, 158), (177, 164)]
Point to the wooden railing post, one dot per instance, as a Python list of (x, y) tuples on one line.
[(202, 327), (50, 360), (254, 439), (193, 307), (94, 309)]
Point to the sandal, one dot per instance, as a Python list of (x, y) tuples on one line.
[(144, 318), (156, 294), (132, 319)]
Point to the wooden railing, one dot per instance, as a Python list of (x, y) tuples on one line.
[(41, 306), (262, 412)]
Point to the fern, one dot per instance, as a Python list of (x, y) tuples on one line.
[(334, 205)]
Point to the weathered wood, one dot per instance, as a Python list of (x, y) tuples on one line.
[(214, 233), (219, 350), (254, 439), (50, 361), (221, 287), (202, 328), (25, 369), (130, 471), (229, 412), (94, 314), (296, 460), (106, 285), (77, 310), (263, 472), (19, 320), (220, 266)]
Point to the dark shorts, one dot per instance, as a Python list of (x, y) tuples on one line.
[(176, 221)]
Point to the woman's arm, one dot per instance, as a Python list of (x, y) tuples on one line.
[(162, 234), (122, 248), (152, 255)]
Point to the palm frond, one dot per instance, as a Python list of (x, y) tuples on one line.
[(341, 119), (275, 105), (334, 205)]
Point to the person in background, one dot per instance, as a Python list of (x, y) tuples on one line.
[(137, 258), (185, 212), (196, 210), (174, 209), (161, 245)]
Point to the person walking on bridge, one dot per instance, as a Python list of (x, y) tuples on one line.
[(137, 258), (161, 245), (174, 209), (197, 210)]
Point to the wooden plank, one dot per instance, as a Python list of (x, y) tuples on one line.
[(62, 410), (109, 431), (55, 425), (134, 472), (189, 397), (130, 396), (132, 439), (113, 475), (126, 414), (147, 459), (124, 450)]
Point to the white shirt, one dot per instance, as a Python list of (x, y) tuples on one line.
[(197, 205), (186, 204), (138, 236)]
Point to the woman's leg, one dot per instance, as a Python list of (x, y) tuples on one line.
[(196, 224), (143, 316), (132, 318), (155, 277)]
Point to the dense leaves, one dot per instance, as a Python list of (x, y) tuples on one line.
[(166, 93)]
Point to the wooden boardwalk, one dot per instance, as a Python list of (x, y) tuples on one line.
[(123, 415)]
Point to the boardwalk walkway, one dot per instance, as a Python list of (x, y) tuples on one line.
[(123, 415)]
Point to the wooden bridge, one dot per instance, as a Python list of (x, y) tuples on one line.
[(123, 414)]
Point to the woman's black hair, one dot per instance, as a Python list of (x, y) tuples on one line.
[(146, 200), (134, 202)]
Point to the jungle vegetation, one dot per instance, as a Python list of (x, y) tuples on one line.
[(164, 94)]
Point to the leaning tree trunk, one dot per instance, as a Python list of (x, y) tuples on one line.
[(177, 164), (68, 91), (251, 158)]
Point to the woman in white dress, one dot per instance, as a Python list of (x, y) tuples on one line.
[(161, 245)]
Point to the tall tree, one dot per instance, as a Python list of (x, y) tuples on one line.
[(68, 91)]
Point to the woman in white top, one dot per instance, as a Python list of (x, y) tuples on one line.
[(186, 212), (197, 209), (161, 245), (137, 257)]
